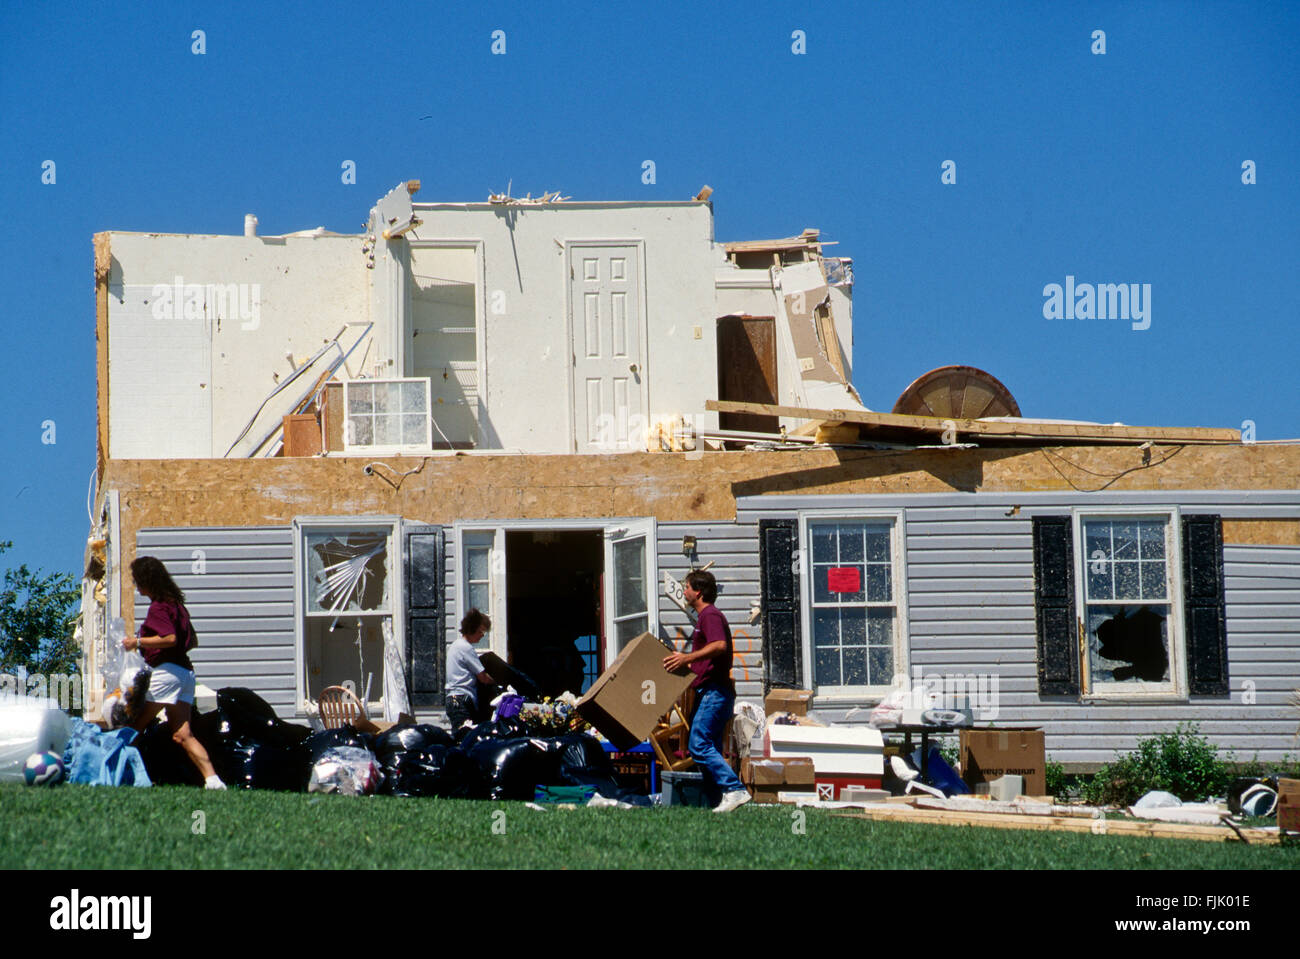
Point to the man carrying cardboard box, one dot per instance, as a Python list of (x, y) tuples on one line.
[(715, 694)]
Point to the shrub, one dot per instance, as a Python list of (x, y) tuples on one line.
[(1057, 783), (1181, 762)]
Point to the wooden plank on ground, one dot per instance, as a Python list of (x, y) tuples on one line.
[(1015, 429), (1112, 827)]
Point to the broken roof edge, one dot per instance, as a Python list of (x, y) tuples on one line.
[(1006, 429), (520, 204), (311, 234)]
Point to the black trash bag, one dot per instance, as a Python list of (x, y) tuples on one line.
[(407, 737), (581, 751), (248, 715), (318, 744), (441, 771), (165, 760), (501, 729), (511, 768)]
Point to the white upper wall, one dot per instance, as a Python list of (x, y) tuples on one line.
[(526, 385), (187, 370)]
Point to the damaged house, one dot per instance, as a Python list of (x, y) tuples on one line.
[(551, 409)]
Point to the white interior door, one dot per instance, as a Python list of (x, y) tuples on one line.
[(608, 353), (631, 581)]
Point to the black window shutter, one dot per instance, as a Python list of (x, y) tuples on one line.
[(1203, 606), (1054, 612), (426, 635), (782, 630)]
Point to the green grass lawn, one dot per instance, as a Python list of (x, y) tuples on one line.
[(80, 827)]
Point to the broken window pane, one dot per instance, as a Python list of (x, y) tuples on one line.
[(1129, 643), (347, 572), (1152, 534), (1124, 540)]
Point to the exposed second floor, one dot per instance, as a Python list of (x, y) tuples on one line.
[(538, 326)]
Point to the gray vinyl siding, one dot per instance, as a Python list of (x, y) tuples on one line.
[(734, 554), (970, 594), (241, 603)]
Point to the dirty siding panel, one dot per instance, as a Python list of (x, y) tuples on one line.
[(970, 583), (242, 604)]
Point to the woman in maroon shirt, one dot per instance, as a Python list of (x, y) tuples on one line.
[(164, 641)]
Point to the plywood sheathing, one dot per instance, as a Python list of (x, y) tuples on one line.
[(103, 266), (1261, 532), (667, 486)]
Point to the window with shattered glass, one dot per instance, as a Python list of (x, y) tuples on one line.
[(347, 572), (1128, 600), (347, 602), (854, 610)]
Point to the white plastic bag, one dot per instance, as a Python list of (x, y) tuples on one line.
[(29, 724), (346, 770)]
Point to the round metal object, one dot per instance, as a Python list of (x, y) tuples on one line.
[(957, 392)]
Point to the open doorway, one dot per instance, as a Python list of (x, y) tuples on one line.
[(554, 606)]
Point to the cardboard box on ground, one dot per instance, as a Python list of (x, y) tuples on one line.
[(1288, 804), (988, 754), (629, 697), (766, 778)]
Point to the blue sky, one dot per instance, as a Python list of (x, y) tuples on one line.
[(1124, 167)]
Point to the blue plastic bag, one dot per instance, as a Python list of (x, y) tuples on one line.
[(103, 759)]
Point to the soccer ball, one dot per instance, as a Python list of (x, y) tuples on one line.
[(43, 769)]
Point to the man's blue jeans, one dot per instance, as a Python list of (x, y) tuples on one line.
[(713, 711)]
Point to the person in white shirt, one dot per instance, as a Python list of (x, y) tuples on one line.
[(465, 673)]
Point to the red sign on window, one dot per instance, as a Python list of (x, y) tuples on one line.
[(844, 579)]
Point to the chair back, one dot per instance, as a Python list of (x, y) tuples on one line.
[(338, 707)]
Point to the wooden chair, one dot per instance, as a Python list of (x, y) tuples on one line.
[(338, 707), (670, 741)]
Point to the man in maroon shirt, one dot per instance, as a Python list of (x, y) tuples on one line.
[(715, 702)]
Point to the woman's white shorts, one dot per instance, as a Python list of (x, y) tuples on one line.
[(171, 684)]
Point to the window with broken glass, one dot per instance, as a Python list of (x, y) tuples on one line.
[(347, 609), (854, 604), (1129, 584)]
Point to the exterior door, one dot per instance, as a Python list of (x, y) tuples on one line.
[(608, 352), (631, 584)]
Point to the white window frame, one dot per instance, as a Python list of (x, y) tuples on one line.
[(302, 525), (474, 533), (374, 448), (1176, 688), (854, 694)]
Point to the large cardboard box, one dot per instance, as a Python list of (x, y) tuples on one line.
[(767, 778), (795, 701), (621, 704), (1288, 804), (987, 754)]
